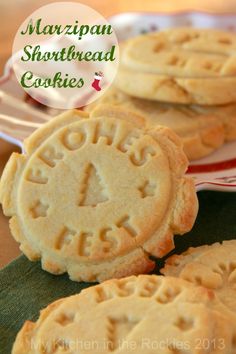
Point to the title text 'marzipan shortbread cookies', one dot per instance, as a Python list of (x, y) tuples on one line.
[(95, 197), (138, 315)]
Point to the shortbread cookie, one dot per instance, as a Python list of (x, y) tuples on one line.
[(202, 129), (145, 314), (181, 65), (226, 114), (211, 266), (95, 197)]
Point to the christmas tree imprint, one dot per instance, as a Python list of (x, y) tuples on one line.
[(92, 191), (118, 330)]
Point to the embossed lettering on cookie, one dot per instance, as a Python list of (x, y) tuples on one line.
[(180, 65), (147, 314), (96, 195)]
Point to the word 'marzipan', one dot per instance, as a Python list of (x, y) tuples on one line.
[(67, 29)]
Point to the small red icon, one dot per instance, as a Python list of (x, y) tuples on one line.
[(97, 78)]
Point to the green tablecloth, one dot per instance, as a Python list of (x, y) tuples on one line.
[(25, 288)]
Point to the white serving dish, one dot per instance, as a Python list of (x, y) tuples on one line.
[(215, 172)]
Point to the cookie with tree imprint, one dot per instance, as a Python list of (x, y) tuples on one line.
[(95, 196), (144, 314)]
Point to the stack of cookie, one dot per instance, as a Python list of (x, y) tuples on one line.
[(183, 78)]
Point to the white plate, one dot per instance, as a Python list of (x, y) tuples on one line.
[(215, 172)]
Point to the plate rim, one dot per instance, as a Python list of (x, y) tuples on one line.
[(210, 184)]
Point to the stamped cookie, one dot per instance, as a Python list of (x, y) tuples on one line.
[(181, 65), (95, 197), (145, 314), (211, 266), (202, 129)]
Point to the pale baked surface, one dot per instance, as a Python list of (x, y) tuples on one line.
[(211, 266), (202, 129), (183, 52), (145, 314), (80, 198), (181, 65)]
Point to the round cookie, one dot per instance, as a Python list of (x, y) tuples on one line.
[(145, 314), (211, 266), (96, 197), (202, 129), (181, 65)]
